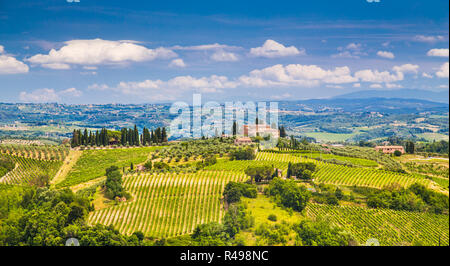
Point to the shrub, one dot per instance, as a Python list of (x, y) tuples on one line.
[(272, 217)]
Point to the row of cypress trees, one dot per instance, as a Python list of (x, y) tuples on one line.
[(127, 136)]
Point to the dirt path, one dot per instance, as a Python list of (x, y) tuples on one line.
[(68, 163)]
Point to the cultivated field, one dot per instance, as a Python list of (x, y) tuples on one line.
[(168, 204), (389, 227), (92, 163)]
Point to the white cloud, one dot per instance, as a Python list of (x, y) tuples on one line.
[(272, 49), (177, 63), (2, 49), (334, 86), (386, 54), (56, 66), (426, 75), (48, 95), (296, 75), (406, 68), (443, 86), (98, 51), (443, 71), (72, 92), (438, 52), (99, 87), (357, 85), (90, 67), (222, 56), (393, 86), (170, 89), (203, 47), (376, 76), (429, 39), (10, 65), (39, 95), (352, 50), (376, 86)]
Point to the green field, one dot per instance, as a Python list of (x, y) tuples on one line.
[(27, 169), (328, 137), (92, 163), (169, 204), (389, 227)]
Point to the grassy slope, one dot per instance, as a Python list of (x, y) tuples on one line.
[(92, 163)]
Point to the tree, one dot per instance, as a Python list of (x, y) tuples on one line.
[(282, 132), (258, 173), (338, 193), (301, 170), (148, 165), (243, 154), (409, 147), (234, 129), (164, 135), (397, 153), (113, 183), (232, 192), (288, 193), (321, 233)]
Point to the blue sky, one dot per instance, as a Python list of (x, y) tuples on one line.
[(163, 51)]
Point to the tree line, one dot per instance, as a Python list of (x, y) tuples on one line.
[(124, 137)]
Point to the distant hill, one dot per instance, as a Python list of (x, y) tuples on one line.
[(433, 96), (383, 105)]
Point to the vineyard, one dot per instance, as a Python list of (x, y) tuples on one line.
[(92, 163), (342, 175), (169, 204), (27, 169), (366, 177), (389, 227), (41, 152)]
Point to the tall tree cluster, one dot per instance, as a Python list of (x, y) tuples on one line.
[(124, 137)]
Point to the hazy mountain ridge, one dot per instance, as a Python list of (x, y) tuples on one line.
[(434, 96)]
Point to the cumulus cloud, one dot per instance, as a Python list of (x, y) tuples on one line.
[(393, 86), (352, 50), (39, 95), (177, 63), (203, 47), (72, 92), (385, 54), (48, 95), (406, 68), (376, 86), (97, 52), (296, 75), (429, 39), (10, 65), (56, 66), (375, 76), (272, 49), (276, 76), (438, 52), (443, 71), (222, 56), (426, 75), (170, 89)]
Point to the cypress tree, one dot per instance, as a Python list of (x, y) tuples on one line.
[(164, 135), (158, 135), (136, 136)]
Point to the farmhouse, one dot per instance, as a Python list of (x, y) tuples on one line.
[(390, 149), (243, 141), (261, 129)]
